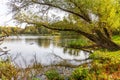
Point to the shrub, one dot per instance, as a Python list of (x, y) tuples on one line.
[(80, 73), (104, 66), (53, 75), (105, 63), (7, 70)]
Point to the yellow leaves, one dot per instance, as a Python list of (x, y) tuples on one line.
[(7, 70), (108, 12)]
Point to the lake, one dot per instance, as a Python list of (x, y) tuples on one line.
[(25, 50)]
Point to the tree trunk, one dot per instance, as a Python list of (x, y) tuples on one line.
[(106, 42), (102, 40), (107, 34)]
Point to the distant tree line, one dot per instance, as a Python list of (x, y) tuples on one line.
[(39, 30), (26, 30)]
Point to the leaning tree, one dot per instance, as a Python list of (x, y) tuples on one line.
[(94, 19)]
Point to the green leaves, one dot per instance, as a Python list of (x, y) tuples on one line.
[(80, 73), (106, 10), (106, 57), (53, 75)]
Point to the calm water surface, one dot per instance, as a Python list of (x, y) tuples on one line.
[(24, 50)]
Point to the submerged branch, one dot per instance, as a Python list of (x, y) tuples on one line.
[(70, 59), (71, 65), (66, 62)]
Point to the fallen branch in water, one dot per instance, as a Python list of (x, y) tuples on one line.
[(71, 65), (66, 62), (70, 59)]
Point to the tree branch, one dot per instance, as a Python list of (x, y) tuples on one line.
[(91, 37), (66, 62), (83, 11), (66, 10)]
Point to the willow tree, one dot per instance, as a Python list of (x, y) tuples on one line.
[(94, 19)]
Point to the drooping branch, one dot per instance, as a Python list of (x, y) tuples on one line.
[(83, 11), (88, 35), (91, 37)]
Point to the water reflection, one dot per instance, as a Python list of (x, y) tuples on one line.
[(44, 47), (72, 51), (44, 43)]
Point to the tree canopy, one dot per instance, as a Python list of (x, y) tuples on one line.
[(94, 19)]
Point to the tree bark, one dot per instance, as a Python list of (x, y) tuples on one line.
[(106, 33), (106, 42)]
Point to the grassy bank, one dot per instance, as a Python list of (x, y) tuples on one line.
[(105, 66)]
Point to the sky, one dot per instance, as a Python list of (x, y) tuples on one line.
[(4, 16)]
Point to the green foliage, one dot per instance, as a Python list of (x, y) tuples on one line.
[(105, 63), (7, 70), (80, 73), (78, 43), (116, 39), (36, 79), (10, 30), (116, 31), (53, 75), (104, 66), (102, 14), (30, 30), (106, 57), (26, 30)]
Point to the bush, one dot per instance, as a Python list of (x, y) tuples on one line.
[(7, 70), (105, 66), (105, 63), (53, 75), (80, 73), (106, 57)]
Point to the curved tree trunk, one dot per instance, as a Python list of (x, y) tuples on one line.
[(106, 42), (103, 41)]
